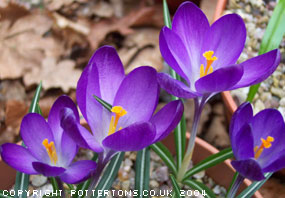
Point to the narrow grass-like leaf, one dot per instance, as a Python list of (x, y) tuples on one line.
[(54, 184), (180, 131), (176, 186), (4, 194), (109, 174), (22, 180), (232, 183), (103, 103), (202, 188), (272, 38), (165, 155), (209, 162), (249, 191), (142, 172)]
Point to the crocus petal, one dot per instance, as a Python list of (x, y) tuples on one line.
[(191, 24), (249, 169), (18, 158), (54, 116), (167, 119), (268, 122), (78, 133), (133, 138), (47, 170), (241, 117), (220, 80), (226, 37), (175, 87), (34, 130), (68, 150), (138, 95), (277, 163), (257, 69), (78, 171), (174, 53), (102, 77), (242, 143)]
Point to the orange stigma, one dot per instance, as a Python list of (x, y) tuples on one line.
[(119, 112), (210, 59), (50, 148), (264, 144)]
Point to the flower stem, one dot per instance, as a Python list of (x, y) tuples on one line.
[(102, 161), (235, 186), (199, 104), (60, 187)]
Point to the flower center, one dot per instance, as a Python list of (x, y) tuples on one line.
[(210, 59), (119, 112), (50, 148), (264, 144)]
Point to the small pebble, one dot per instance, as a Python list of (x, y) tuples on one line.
[(38, 180)]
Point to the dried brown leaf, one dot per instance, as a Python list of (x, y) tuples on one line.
[(54, 75)]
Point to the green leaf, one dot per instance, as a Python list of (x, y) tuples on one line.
[(22, 180), (202, 188), (175, 186), (54, 183), (109, 174), (232, 183), (165, 155), (103, 103), (249, 191), (180, 131), (272, 38), (142, 172), (166, 14), (210, 161), (4, 195)]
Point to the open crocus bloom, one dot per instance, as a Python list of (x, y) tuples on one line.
[(258, 142), (130, 125), (48, 150), (205, 55)]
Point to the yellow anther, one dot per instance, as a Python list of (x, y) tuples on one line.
[(210, 59), (119, 112), (264, 144), (51, 151)]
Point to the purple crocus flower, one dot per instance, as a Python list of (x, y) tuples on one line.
[(130, 125), (205, 55), (258, 142), (48, 150)]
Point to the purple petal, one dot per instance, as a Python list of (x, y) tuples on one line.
[(269, 122), (18, 158), (226, 37), (220, 80), (102, 77), (78, 172), (47, 170), (133, 138), (276, 163), (54, 116), (175, 87), (174, 53), (191, 24), (241, 117), (167, 119), (34, 130), (78, 133), (242, 143), (67, 150), (249, 169), (138, 95), (257, 69)]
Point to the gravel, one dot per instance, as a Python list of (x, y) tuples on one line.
[(256, 15)]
